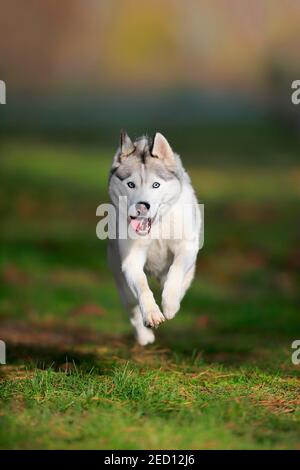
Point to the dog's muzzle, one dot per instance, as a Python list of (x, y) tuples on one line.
[(140, 223)]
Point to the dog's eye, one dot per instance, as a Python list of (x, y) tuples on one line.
[(131, 184), (156, 185)]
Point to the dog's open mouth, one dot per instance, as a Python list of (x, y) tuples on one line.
[(141, 225)]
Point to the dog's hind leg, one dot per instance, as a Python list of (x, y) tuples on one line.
[(143, 334)]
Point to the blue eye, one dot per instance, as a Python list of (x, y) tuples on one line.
[(156, 185), (130, 184)]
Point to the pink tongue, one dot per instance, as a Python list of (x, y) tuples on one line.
[(135, 224), (140, 225)]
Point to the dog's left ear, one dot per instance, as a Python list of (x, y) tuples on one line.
[(161, 149)]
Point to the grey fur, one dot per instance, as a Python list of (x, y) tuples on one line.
[(124, 165)]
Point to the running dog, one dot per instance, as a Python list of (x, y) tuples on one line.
[(163, 217)]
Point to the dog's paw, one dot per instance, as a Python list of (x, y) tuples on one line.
[(153, 318), (146, 336), (170, 310)]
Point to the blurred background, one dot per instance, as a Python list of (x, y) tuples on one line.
[(211, 74), (215, 78)]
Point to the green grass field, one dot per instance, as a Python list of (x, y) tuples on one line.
[(220, 374)]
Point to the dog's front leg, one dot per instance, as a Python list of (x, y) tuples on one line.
[(132, 268), (179, 278)]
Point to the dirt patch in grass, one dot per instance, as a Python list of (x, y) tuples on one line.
[(279, 405), (15, 372)]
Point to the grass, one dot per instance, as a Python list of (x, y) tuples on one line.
[(220, 374)]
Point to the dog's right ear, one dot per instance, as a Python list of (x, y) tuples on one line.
[(125, 149), (126, 145)]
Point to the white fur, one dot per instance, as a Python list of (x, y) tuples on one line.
[(171, 261)]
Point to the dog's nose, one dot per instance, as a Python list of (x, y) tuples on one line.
[(142, 207)]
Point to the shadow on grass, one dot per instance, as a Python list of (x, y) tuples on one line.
[(232, 349), (59, 347), (64, 347), (43, 357)]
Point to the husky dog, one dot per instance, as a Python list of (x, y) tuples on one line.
[(157, 190)]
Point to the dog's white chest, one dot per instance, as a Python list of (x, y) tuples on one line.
[(159, 258)]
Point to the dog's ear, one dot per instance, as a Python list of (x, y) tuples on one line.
[(126, 145), (161, 149), (125, 149)]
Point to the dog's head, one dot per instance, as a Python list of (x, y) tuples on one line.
[(149, 175)]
